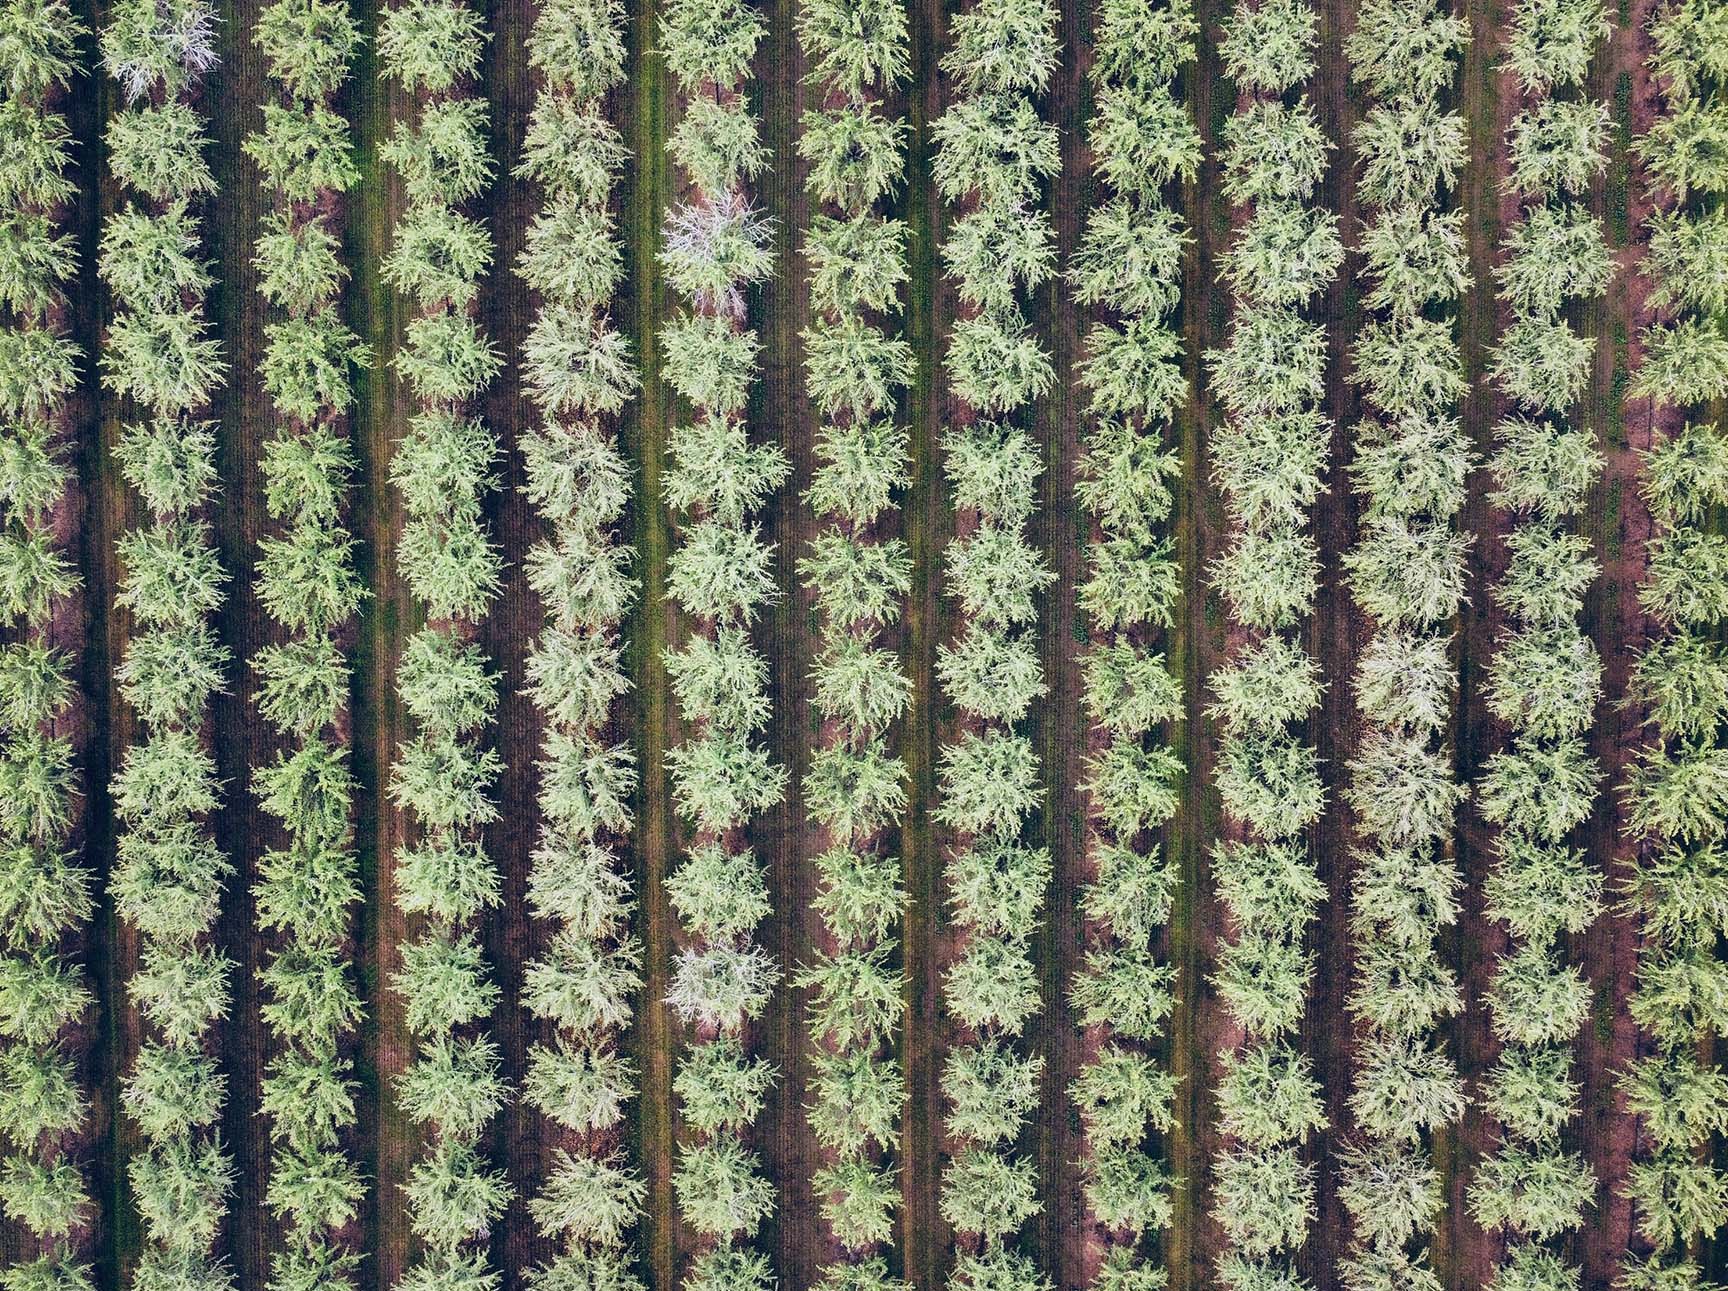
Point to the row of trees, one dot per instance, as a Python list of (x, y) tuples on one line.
[(1677, 886), (160, 359), (1267, 460), (1406, 573), (581, 986), (442, 775), (307, 582), (1545, 676), (45, 893), (1127, 269), (857, 575), (715, 247), (993, 155)]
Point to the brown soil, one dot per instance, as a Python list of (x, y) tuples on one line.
[(1057, 1237), (1336, 637), (522, 1140), (641, 309), (1199, 1027), (380, 724), (785, 839), (1465, 1255), (1619, 525), (241, 742), (924, 1239)]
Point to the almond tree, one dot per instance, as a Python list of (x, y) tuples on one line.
[(858, 575), (1267, 459), (1545, 677), (1406, 573), (993, 157), (443, 773), (45, 893), (1679, 1195), (715, 245), (1127, 269), (309, 885), (161, 363), (580, 370)]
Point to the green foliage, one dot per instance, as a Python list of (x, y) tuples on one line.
[(1682, 149), (308, 44), (989, 783), (994, 145), (38, 46), (1552, 41), (720, 1087), (453, 1197), (705, 42), (722, 1192), (1265, 1199), (1143, 140), (1143, 43), (1273, 151), (1560, 147), (990, 1090), (1556, 254), (1540, 890), (1134, 370), (1536, 1193), (304, 152), (861, 896), (854, 155), (580, 1087), (1269, 47), (719, 895), (431, 44), (854, 369), (1122, 1094), (1124, 988), (588, 1198), (996, 363), (717, 143), (1129, 258), (993, 984), (856, 263), (1268, 1095), (157, 150), (1404, 48), (989, 1194), (994, 574), (991, 674), (158, 45), (855, 46), (442, 982), (1689, 260), (181, 1191), (1532, 1092), (47, 1199), (1392, 1194), (858, 1098)]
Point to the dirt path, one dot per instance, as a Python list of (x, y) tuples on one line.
[(521, 1138), (241, 742), (1465, 1255), (102, 514), (385, 620), (1058, 1237), (640, 311), (1196, 646), (785, 839), (1336, 634), (923, 1237), (1618, 525)]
